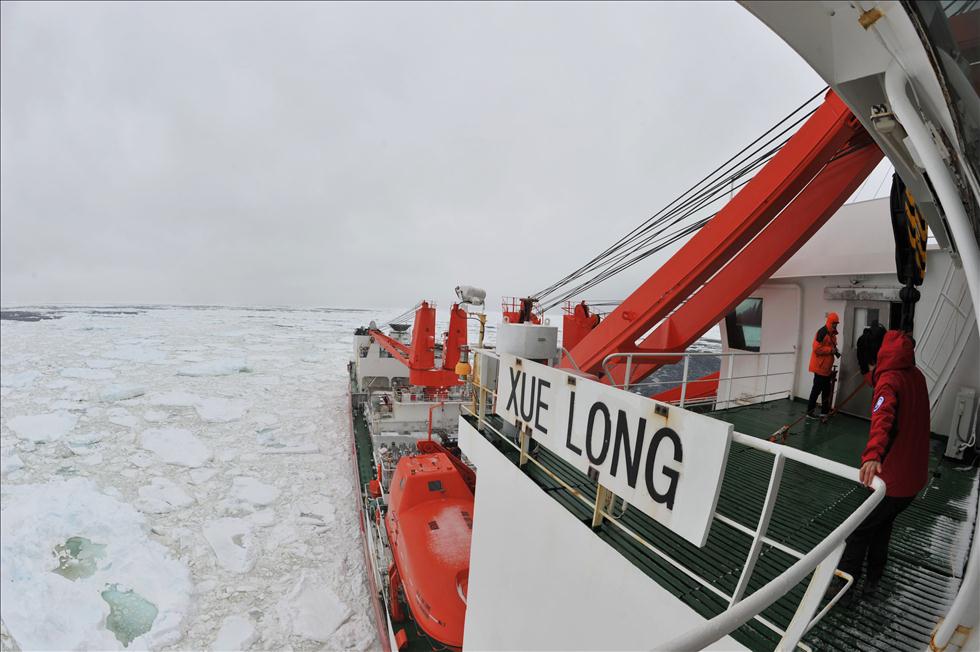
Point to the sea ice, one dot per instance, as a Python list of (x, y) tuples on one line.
[(312, 610), (43, 427), (87, 374), (176, 446), (221, 367), (44, 610), (263, 517), (136, 353), (91, 460), (10, 462), (155, 416), (161, 496), (22, 379), (237, 633), (221, 410), (232, 542), (64, 383), (305, 403), (114, 392), (200, 476), (316, 509), (86, 439), (102, 364), (174, 399), (252, 491)]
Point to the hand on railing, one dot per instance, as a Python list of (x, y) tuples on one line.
[(869, 471)]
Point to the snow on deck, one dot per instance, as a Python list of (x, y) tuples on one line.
[(187, 474)]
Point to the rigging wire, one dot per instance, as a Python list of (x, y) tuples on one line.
[(666, 240), (722, 178), (660, 238), (706, 191), (403, 318)]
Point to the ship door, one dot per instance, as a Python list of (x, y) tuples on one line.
[(858, 315)]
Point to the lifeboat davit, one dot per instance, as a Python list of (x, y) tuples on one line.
[(430, 524)]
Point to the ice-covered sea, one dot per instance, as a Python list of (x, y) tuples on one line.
[(179, 479)]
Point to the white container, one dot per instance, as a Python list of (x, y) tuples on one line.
[(529, 341)]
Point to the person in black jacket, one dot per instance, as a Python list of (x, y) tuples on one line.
[(867, 348)]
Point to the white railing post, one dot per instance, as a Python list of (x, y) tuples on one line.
[(765, 379), (687, 359), (731, 375), (629, 371), (803, 618), (775, 477)]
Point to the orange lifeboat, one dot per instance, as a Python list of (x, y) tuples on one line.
[(430, 524)]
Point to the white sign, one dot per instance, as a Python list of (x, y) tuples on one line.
[(665, 461)]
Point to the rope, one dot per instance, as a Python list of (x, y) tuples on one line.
[(784, 432), (403, 318)]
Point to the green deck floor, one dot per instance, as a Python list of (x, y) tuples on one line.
[(926, 562)]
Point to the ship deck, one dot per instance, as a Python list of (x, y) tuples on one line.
[(928, 551), (417, 640)]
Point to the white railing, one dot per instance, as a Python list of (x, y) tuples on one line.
[(821, 560), (733, 358)]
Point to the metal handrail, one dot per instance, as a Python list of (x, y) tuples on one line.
[(687, 355), (821, 560)]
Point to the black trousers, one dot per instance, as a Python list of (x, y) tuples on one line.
[(871, 538), (821, 388)]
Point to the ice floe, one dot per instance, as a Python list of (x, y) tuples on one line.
[(174, 399), (253, 491), (161, 496), (10, 462), (237, 632), (86, 373), (117, 392), (19, 380), (122, 417), (137, 353), (221, 367), (43, 427), (312, 610), (176, 446), (232, 542), (100, 543), (221, 410)]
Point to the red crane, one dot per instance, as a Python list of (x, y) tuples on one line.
[(757, 231), (420, 358)]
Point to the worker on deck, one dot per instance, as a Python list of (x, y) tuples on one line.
[(822, 366), (897, 452)]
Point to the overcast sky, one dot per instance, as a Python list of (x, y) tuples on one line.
[(357, 154)]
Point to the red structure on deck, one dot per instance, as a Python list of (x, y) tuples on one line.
[(420, 358), (762, 226)]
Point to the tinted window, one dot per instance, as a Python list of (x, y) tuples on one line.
[(744, 325)]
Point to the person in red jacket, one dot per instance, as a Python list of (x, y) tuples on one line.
[(897, 452), (822, 366)]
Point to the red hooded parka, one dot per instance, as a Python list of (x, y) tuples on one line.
[(899, 437)]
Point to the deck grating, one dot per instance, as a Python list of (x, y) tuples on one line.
[(810, 505)]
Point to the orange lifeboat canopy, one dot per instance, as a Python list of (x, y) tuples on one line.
[(430, 524)]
